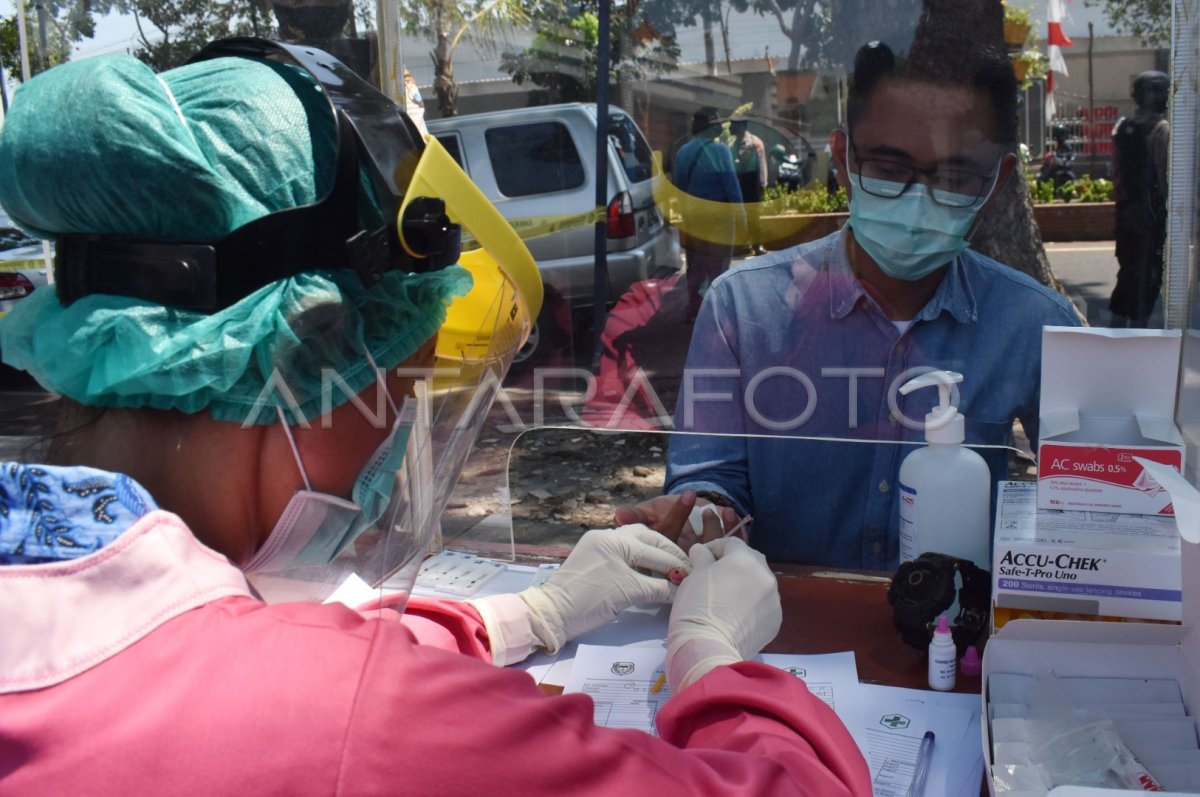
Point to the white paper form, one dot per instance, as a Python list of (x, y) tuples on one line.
[(638, 626), (621, 680), (888, 723)]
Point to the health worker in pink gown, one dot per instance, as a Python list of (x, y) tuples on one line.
[(256, 276)]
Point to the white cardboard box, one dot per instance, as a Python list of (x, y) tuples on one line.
[(1107, 395), (1104, 650), (1082, 562)]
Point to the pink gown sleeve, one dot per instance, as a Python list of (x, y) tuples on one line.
[(749, 729)]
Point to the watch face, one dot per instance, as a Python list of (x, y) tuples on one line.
[(924, 584), (920, 591)]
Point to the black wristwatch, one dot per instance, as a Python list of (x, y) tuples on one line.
[(924, 588), (716, 498)]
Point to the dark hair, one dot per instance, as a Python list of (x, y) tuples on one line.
[(703, 118), (1150, 90), (983, 69)]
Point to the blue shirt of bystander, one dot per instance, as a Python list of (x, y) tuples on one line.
[(791, 345)]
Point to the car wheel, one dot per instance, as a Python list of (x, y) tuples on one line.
[(549, 334), (530, 349)]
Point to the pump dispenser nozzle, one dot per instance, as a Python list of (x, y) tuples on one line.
[(944, 423)]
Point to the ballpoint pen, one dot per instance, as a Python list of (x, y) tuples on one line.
[(917, 787)]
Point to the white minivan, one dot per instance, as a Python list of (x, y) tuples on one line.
[(537, 165)]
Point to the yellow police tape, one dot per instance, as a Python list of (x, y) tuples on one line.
[(536, 226), (718, 223), (22, 265), (723, 223)]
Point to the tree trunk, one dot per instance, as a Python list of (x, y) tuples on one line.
[(443, 67), (710, 50), (1007, 231), (800, 22)]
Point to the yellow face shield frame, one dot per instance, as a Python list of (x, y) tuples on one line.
[(496, 316)]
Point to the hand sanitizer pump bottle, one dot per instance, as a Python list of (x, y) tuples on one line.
[(945, 488)]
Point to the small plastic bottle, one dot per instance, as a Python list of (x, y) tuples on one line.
[(943, 658), (945, 488), (970, 665)]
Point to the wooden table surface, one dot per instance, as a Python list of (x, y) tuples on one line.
[(828, 611), (831, 611)]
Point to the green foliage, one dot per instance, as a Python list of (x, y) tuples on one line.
[(1036, 66), (171, 31), (828, 34), (562, 59), (58, 41), (777, 200), (1081, 189), (1088, 189), (448, 22), (1018, 15), (1042, 192), (1149, 20)]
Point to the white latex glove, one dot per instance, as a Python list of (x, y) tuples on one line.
[(598, 581), (724, 612)]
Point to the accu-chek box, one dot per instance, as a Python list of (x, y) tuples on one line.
[(1081, 564), (1072, 649), (1107, 396)]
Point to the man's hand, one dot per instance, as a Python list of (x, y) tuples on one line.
[(668, 515)]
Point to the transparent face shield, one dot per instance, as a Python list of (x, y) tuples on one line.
[(445, 405), (395, 202)]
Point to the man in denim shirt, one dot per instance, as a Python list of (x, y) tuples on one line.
[(815, 341)]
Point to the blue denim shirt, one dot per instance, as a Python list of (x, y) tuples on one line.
[(790, 345)]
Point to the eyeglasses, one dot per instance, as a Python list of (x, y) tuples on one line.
[(952, 188)]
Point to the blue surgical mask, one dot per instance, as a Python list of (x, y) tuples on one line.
[(911, 235)]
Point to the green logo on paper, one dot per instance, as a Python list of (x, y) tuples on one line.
[(799, 672), (894, 721)]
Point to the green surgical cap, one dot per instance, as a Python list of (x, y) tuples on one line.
[(107, 146)]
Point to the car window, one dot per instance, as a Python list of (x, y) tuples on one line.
[(536, 158), (451, 145), (632, 149), (11, 237)]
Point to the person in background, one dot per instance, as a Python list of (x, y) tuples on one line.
[(1056, 163), (714, 219), (815, 340), (1141, 152), (414, 105), (243, 416), (750, 161)]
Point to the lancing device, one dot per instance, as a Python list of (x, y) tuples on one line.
[(741, 525)]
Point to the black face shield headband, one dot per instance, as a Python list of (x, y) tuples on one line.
[(377, 151)]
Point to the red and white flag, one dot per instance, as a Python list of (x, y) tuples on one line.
[(1056, 39)]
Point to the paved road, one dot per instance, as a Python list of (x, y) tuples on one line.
[(1088, 270)]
